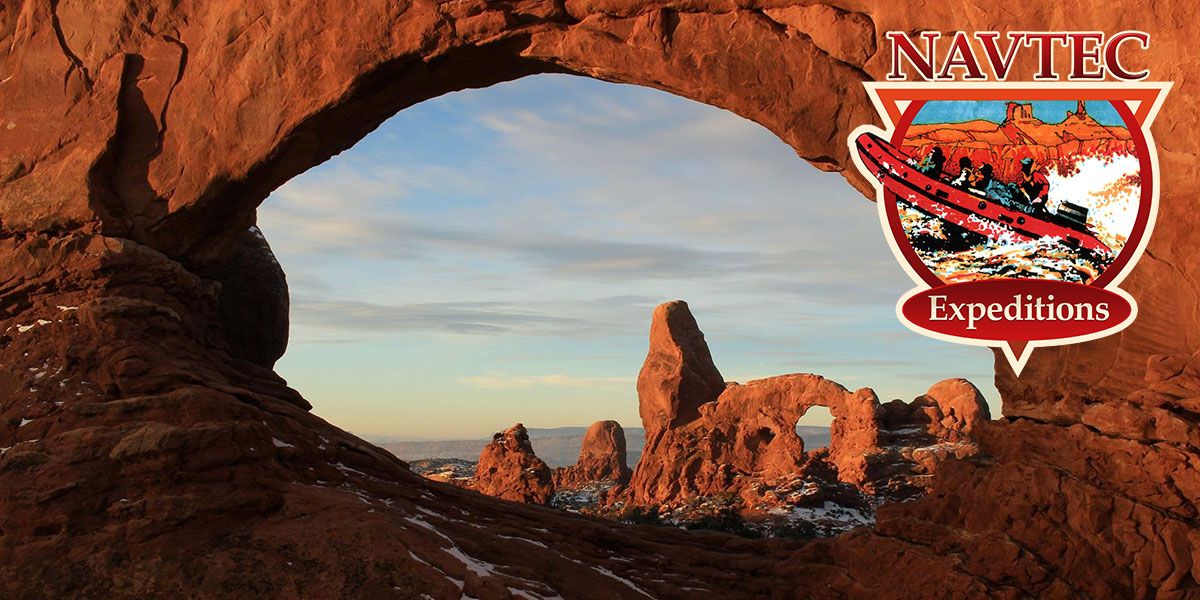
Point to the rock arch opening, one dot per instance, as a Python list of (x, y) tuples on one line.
[(813, 427), (605, 199), (413, 256)]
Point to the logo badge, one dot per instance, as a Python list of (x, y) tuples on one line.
[(1016, 208)]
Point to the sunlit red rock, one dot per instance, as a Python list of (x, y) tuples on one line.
[(601, 458), (678, 375), (956, 408), (746, 437), (509, 469)]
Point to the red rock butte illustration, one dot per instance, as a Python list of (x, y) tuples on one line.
[(147, 448), (1020, 135)]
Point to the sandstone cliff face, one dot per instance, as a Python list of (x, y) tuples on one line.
[(148, 447), (956, 408), (601, 459), (509, 469)]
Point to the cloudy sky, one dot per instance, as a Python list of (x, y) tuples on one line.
[(493, 256), (1049, 111)]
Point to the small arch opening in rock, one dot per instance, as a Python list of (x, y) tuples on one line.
[(813, 427)]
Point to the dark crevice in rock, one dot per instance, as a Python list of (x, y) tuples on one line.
[(76, 64)]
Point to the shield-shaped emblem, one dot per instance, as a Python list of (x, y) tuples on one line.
[(1017, 209)]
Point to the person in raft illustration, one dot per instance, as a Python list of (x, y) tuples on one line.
[(1027, 194), (966, 173), (998, 191), (931, 165), (983, 177), (1007, 194), (1032, 183)]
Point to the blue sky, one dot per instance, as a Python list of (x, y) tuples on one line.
[(493, 256), (1050, 111)]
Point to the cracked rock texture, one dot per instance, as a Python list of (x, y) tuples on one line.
[(148, 450)]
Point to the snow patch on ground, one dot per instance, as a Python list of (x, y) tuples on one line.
[(519, 593), (476, 566), (521, 539), (25, 328), (830, 517), (431, 513), (633, 586)]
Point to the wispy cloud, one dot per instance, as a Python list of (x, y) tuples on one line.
[(475, 318), (598, 190), (339, 319), (555, 254), (536, 224), (512, 382)]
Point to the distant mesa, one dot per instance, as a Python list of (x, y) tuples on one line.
[(558, 446)]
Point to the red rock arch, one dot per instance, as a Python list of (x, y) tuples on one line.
[(137, 139), (186, 127)]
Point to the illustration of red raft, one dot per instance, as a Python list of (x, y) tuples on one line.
[(970, 209)]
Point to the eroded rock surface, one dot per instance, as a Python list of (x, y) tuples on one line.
[(601, 458), (740, 453), (509, 469), (678, 375)]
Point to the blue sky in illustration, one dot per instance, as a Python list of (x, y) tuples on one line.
[(493, 256), (1050, 111)]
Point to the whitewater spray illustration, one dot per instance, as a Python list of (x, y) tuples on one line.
[(1108, 186)]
